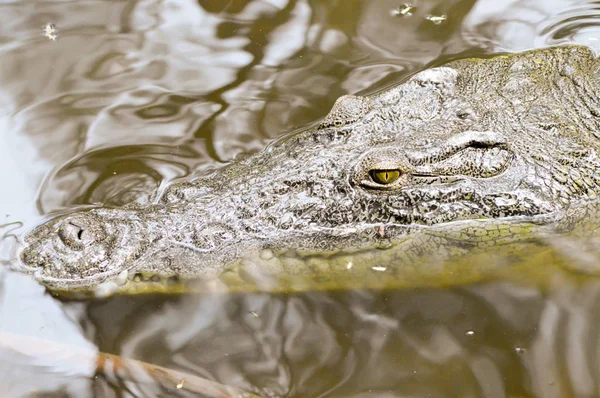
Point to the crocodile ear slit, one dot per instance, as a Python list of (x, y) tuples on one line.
[(442, 76)]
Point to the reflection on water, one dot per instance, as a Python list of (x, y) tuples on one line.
[(482, 341), (517, 25), (131, 95)]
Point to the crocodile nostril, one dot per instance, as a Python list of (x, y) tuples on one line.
[(80, 231), (74, 230)]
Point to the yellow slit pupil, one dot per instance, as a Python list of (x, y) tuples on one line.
[(385, 176)]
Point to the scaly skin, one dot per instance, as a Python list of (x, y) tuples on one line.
[(431, 181)]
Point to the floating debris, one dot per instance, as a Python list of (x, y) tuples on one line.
[(519, 350), (436, 19), (50, 31), (349, 265), (253, 313), (470, 333), (180, 385), (378, 268), (405, 10)]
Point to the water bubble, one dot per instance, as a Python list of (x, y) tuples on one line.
[(378, 268), (519, 350), (349, 265), (405, 10), (470, 333), (436, 19)]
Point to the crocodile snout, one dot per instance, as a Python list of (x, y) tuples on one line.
[(76, 244)]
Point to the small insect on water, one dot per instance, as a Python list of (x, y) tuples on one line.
[(406, 10), (436, 19), (50, 31)]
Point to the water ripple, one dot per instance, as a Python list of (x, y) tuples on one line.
[(132, 95)]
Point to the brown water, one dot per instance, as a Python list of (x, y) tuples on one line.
[(123, 96)]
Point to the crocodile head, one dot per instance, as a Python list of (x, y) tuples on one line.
[(473, 143)]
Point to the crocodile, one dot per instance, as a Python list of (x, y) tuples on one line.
[(482, 157)]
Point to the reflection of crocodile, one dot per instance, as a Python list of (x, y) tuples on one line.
[(476, 154)]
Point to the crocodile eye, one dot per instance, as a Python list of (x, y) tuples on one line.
[(382, 169), (384, 177)]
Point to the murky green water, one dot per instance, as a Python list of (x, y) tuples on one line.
[(118, 97)]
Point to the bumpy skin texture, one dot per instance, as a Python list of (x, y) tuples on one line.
[(484, 151)]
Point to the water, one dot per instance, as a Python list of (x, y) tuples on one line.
[(104, 101)]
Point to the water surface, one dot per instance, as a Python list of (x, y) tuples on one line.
[(119, 97)]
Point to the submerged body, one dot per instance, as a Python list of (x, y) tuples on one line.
[(480, 157)]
